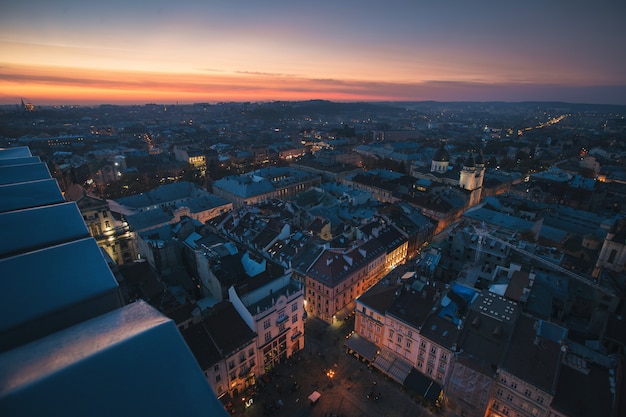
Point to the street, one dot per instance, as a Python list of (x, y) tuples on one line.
[(347, 386)]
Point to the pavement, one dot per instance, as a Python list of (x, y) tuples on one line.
[(344, 382)]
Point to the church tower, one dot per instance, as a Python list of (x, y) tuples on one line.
[(468, 173), (480, 170), (471, 177)]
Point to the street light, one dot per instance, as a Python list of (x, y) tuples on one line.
[(330, 374)]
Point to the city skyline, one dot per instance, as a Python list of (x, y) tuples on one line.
[(118, 52)]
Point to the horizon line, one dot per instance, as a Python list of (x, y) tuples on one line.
[(269, 101)]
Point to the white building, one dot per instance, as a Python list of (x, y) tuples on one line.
[(275, 312)]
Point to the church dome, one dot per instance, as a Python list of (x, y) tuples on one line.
[(469, 162), (441, 155)]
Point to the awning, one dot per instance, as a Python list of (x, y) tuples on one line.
[(362, 346), (393, 366), (314, 396), (422, 385)]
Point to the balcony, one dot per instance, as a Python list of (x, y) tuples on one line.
[(296, 335)]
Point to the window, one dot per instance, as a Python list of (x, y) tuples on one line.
[(266, 323), (433, 350), (232, 376), (251, 352), (268, 336), (423, 345), (216, 368), (408, 344), (231, 364), (294, 318), (218, 378), (410, 334), (509, 397), (514, 385), (294, 306), (527, 393), (105, 214), (281, 317)]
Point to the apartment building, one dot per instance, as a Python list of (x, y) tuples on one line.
[(337, 277), (225, 348), (274, 311), (526, 381), (112, 233), (263, 185)]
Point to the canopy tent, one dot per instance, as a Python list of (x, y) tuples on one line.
[(314, 396)]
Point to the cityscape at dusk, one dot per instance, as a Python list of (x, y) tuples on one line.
[(128, 52), (403, 208)]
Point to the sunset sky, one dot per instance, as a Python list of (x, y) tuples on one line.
[(130, 51)]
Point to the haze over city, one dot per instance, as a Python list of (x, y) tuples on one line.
[(124, 52)]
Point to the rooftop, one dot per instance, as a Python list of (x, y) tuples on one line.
[(532, 358), (62, 316), (36, 228), (55, 375)]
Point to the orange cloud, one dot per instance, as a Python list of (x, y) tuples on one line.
[(54, 84), (64, 85)]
